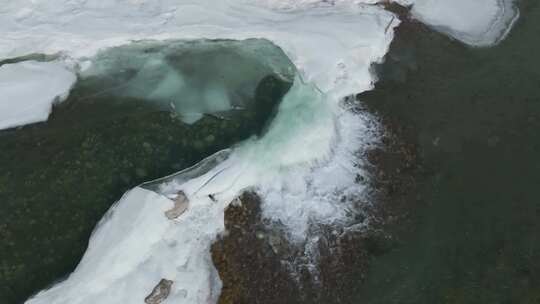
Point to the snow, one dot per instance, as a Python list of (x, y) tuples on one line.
[(135, 246), (477, 23), (80, 28), (307, 33), (29, 89)]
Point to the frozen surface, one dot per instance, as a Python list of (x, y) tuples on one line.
[(80, 28), (135, 246), (308, 31), (189, 78), (475, 22), (29, 89)]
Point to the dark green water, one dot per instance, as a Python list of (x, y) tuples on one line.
[(475, 113), (58, 178)]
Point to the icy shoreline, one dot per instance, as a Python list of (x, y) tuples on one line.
[(79, 29), (480, 23), (136, 246)]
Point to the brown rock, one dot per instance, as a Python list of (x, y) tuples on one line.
[(181, 203), (160, 292)]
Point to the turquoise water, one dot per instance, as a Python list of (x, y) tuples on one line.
[(188, 78), (117, 130), (475, 232)]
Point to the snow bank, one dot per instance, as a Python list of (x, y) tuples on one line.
[(135, 246), (475, 22), (29, 89), (307, 33)]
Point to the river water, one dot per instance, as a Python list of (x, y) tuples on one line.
[(475, 112)]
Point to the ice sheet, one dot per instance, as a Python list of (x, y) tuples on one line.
[(80, 28), (29, 89), (308, 33), (478, 22)]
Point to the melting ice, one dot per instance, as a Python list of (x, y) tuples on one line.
[(190, 78)]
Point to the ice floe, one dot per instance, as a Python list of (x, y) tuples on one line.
[(29, 89), (475, 22)]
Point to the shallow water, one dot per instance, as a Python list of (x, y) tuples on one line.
[(475, 232), (58, 178)]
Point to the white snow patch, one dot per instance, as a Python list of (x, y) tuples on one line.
[(308, 33), (475, 22), (80, 28), (29, 89), (135, 246)]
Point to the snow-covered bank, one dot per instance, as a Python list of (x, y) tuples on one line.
[(308, 33), (29, 89), (478, 22)]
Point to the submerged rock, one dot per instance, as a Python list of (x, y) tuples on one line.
[(160, 292)]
